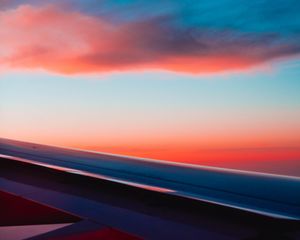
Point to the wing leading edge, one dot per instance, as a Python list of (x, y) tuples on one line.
[(265, 194)]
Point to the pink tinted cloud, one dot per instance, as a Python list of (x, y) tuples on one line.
[(52, 39)]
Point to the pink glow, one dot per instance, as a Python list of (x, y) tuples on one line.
[(71, 42)]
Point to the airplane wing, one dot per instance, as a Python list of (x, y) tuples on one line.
[(91, 195)]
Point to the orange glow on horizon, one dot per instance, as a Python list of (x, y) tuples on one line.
[(284, 161)]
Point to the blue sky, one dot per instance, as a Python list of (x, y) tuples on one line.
[(161, 79)]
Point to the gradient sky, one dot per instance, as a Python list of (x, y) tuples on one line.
[(204, 82)]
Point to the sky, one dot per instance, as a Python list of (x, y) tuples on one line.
[(204, 82)]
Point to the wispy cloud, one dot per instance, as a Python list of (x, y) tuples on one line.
[(72, 41)]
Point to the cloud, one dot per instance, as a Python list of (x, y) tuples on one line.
[(68, 42)]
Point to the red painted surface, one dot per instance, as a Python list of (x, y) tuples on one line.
[(103, 234), (16, 210)]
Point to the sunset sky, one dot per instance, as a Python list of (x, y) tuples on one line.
[(204, 82)]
